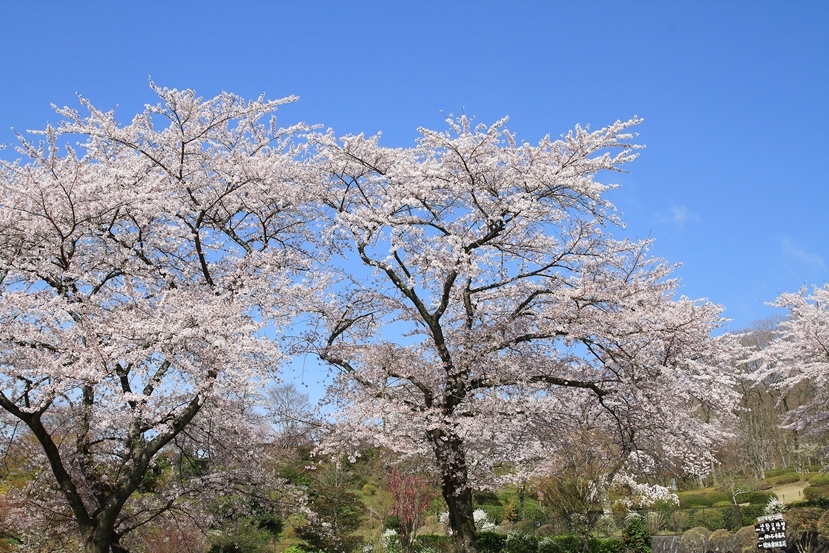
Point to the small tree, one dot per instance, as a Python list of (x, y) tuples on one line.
[(412, 496), (337, 512)]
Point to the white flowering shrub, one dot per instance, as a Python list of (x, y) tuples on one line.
[(390, 541), (774, 506), (482, 521)]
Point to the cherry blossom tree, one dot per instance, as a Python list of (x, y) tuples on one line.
[(490, 289), (798, 354), (137, 272)]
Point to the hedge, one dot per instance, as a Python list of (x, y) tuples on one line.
[(691, 500), (492, 542), (819, 479), (788, 478), (778, 472), (757, 498), (815, 492)]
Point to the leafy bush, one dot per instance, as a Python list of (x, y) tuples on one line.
[(433, 542), (788, 478), (494, 513), (680, 521), (490, 542), (485, 497), (636, 536), (691, 500), (695, 539), (521, 544), (523, 528), (757, 498), (535, 514), (749, 513), (717, 496), (713, 518), (819, 479), (560, 544), (722, 504), (607, 546), (814, 492)]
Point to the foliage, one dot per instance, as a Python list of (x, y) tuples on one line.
[(750, 513), (691, 500), (788, 478), (491, 542), (758, 497), (434, 543), (712, 518), (636, 536), (813, 493), (680, 521), (521, 543), (572, 544), (337, 512), (820, 479)]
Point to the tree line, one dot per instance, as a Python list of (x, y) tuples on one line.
[(470, 293)]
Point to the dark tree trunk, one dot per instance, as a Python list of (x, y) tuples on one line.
[(456, 491)]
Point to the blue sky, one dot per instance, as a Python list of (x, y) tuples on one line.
[(735, 96)]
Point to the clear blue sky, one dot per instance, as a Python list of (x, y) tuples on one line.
[(735, 96)]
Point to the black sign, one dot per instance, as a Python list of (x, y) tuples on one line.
[(771, 532)]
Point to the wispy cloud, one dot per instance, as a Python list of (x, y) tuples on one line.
[(677, 215), (790, 249)]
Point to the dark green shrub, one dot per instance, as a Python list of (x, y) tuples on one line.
[(490, 542), (729, 520), (485, 497), (691, 500), (749, 513), (607, 546), (636, 537), (517, 543), (717, 496), (495, 513), (560, 544), (533, 513), (391, 522), (524, 527), (433, 542), (757, 498), (712, 519), (821, 502)]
